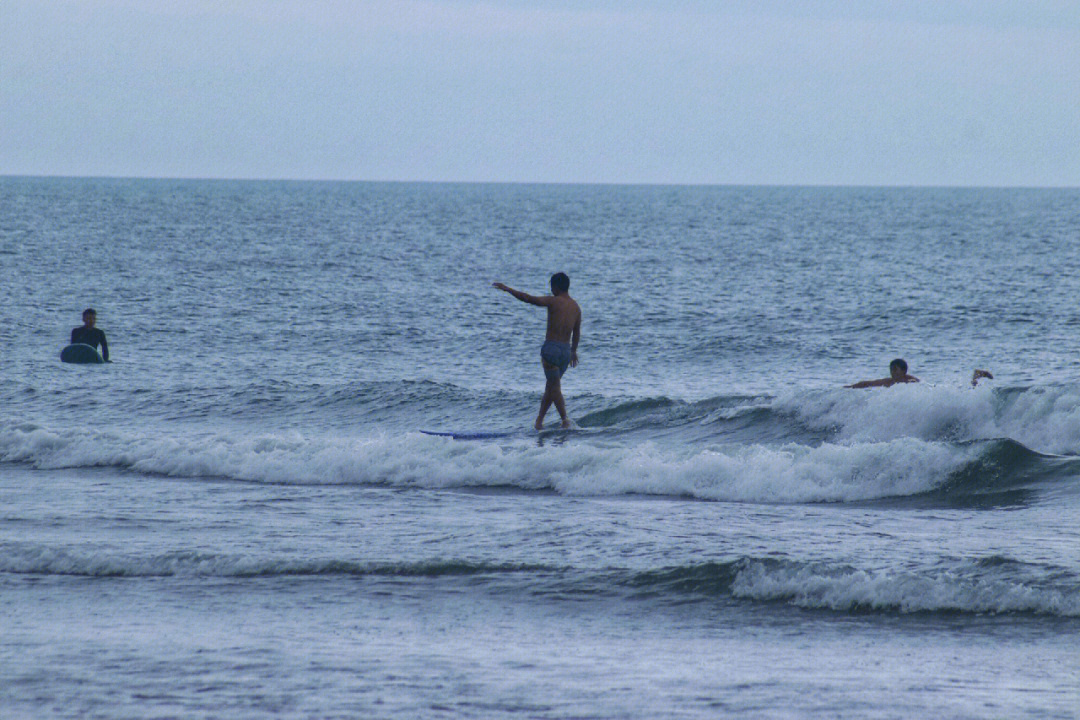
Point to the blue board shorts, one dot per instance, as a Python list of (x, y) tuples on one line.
[(558, 354)]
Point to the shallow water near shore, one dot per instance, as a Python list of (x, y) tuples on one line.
[(240, 515)]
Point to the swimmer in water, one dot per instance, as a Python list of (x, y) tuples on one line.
[(898, 374), (87, 334)]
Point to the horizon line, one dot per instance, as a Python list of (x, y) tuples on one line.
[(197, 178)]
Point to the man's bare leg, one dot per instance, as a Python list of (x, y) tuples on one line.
[(552, 394), (545, 403), (560, 404)]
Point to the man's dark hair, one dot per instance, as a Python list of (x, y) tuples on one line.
[(898, 363), (560, 282), (89, 311)]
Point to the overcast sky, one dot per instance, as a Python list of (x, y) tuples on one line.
[(926, 92)]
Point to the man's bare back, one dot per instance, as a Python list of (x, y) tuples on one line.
[(563, 316)]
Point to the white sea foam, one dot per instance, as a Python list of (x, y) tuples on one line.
[(905, 591), (792, 473), (1045, 419)]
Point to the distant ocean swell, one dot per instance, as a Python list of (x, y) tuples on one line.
[(37, 560), (989, 585), (829, 472)]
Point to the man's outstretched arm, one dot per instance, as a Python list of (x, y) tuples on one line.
[(523, 297)]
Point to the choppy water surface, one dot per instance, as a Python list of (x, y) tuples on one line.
[(239, 516)]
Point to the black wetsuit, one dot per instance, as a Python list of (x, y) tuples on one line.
[(92, 337)]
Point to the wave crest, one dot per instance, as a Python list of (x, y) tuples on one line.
[(1046, 419), (752, 473)]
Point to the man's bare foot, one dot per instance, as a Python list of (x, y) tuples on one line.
[(566, 423), (539, 424)]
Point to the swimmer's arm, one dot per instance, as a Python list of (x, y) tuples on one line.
[(883, 382), (575, 337), (542, 301), (104, 348)]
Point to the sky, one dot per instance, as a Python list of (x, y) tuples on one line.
[(779, 92)]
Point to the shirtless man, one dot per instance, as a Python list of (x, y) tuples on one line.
[(559, 350), (87, 334), (898, 374)]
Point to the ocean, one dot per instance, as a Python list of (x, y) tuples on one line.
[(240, 516)]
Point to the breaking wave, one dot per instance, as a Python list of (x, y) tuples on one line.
[(829, 472)]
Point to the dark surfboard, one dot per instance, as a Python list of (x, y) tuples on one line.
[(81, 354)]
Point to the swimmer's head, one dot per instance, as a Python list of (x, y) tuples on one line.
[(560, 283), (89, 316), (898, 368)]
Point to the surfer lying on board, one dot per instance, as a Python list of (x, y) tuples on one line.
[(898, 374), (559, 350), (90, 335)]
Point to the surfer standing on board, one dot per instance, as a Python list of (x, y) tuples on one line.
[(559, 350), (90, 335)]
